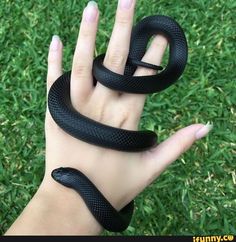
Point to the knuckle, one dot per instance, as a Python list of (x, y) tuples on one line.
[(81, 70), (123, 19), (124, 116), (85, 33), (159, 43), (123, 112), (116, 60)]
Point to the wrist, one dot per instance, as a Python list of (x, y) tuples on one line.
[(69, 208)]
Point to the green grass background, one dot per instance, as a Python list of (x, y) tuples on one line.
[(197, 194)]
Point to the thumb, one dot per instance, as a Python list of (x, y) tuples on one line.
[(168, 151)]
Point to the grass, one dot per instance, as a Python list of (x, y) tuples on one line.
[(197, 194)]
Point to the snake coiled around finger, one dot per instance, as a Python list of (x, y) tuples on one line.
[(93, 132)]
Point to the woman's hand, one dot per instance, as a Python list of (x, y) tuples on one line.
[(120, 176)]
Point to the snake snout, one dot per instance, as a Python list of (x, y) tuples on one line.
[(57, 173), (63, 175)]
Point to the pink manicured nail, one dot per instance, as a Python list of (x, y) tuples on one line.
[(55, 43), (204, 131), (125, 4), (91, 11)]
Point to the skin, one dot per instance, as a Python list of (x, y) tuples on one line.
[(125, 173)]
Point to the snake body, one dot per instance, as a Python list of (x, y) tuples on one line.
[(91, 131)]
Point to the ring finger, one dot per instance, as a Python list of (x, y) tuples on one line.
[(153, 56)]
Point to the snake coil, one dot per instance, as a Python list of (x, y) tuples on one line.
[(90, 131)]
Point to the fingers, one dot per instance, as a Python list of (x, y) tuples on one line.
[(118, 48), (168, 151), (81, 77), (154, 56), (54, 61)]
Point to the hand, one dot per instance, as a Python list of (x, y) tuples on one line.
[(120, 176), (125, 173)]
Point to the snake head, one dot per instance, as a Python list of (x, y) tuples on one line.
[(63, 175)]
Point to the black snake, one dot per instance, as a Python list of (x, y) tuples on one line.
[(90, 131)]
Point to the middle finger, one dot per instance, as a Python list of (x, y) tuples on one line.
[(118, 48)]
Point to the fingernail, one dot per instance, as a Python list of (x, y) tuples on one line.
[(55, 42), (204, 131), (91, 11), (125, 4)]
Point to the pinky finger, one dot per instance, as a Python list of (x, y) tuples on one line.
[(54, 61)]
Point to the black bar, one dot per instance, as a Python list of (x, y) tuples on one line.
[(209, 238)]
